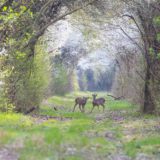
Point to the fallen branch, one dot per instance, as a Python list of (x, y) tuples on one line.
[(116, 98)]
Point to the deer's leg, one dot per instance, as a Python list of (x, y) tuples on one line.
[(74, 107), (103, 107), (92, 109), (80, 107), (83, 109), (98, 107)]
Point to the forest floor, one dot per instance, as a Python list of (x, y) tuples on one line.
[(118, 133)]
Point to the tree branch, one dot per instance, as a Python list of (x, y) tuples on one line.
[(33, 40), (130, 38), (7, 4), (131, 17)]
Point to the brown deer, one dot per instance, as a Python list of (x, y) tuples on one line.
[(81, 102), (97, 102)]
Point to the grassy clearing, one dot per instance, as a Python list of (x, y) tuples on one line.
[(80, 136), (68, 101)]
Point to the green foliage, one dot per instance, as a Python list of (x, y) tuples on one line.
[(158, 37), (26, 81), (5, 105), (158, 56), (38, 80), (59, 82), (157, 20), (75, 85), (151, 52), (19, 70)]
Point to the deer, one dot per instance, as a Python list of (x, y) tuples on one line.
[(81, 102), (98, 102)]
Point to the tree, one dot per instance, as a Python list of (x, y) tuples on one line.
[(90, 80), (145, 15), (22, 23)]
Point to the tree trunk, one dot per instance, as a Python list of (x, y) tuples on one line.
[(149, 105)]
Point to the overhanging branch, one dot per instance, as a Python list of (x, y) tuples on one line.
[(34, 39)]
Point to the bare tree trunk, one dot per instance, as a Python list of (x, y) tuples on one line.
[(149, 105)]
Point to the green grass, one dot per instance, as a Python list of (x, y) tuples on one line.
[(80, 136), (149, 145)]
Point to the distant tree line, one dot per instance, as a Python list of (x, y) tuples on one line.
[(93, 79)]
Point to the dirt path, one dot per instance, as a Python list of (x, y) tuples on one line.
[(10, 151), (38, 119), (8, 154)]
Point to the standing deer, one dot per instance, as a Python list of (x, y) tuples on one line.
[(81, 102), (97, 102)]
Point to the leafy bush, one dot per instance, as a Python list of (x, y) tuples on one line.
[(26, 81)]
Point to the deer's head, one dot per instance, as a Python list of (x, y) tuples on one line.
[(94, 95)]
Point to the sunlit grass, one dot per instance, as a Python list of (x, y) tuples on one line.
[(15, 121)]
